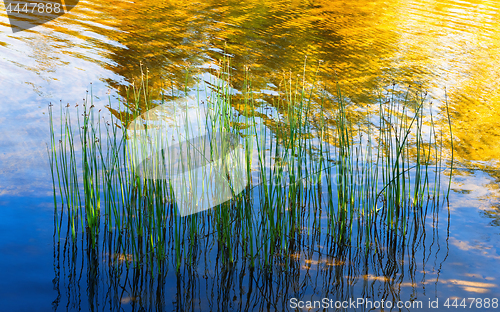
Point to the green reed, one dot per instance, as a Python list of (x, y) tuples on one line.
[(308, 168)]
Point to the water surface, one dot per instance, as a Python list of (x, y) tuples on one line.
[(447, 47)]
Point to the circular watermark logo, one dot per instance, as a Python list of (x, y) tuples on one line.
[(30, 13)]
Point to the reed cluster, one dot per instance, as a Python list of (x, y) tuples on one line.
[(312, 174)]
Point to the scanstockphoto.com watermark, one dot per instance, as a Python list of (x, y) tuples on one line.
[(26, 14), (363, 303), (359, 303)]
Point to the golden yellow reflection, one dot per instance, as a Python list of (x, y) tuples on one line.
[(471, 286), (364, 46), (326, 262), (119, 257), (126, 300)]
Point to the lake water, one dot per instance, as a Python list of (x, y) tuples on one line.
[(449, 48)]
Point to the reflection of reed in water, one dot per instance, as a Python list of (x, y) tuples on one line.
[(361, 213), (391, 270)]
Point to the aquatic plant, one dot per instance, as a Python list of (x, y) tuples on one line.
[(312, 174)]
